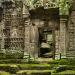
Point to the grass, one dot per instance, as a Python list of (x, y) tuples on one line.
[(34, 65), (21, 71), (66, 72), (54, 66), (4, 73), (26, 65), (63, 62), (34, 72)]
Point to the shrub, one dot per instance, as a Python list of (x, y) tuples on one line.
[(14, 54), (13, 68), (53, 62), (2, 53), (63, 62), (60, 68)]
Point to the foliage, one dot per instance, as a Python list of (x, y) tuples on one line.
[(68, 61), (2, 55), (14, 54), (64, 6), (8, 53)]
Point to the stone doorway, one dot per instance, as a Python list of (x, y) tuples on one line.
[(46, 42), (47, 22)]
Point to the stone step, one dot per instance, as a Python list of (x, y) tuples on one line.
[(70, 51), (35, 67), (34, 72), (17, 67), (70, 55), (21, 69)]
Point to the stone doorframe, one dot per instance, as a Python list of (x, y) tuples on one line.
[(53, 44), (62, 38)]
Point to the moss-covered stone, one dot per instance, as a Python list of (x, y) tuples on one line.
[(9, 68), (4, 73), (34, 72), (34, 66), (13, 68), (66, 72)]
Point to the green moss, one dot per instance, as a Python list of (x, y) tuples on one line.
[(33, 71), (66, 72), (2, 55), (34, 66), (4, 73), (67, 62), (12, 68), (63, 62)]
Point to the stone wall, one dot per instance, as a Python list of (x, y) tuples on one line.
[(71, 33)]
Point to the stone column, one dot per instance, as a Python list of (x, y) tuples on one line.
[(31, 39), (62, 44), (27, 39), (2, 35), (57, 52), (34, 41), (27, 36)]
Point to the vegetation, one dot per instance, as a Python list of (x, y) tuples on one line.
[(12, 54), (34, 72), (66, 72), (4, 73), (34, 66), (53, 67)]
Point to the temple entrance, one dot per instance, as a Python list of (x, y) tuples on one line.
[(47, 22), (46, 44)]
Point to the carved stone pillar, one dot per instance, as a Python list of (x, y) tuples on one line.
[(62, 45), (27, 39), (27, 36), (2, 35), (57, 51), (34, 41)]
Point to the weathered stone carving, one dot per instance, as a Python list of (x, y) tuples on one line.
[(20, 30)]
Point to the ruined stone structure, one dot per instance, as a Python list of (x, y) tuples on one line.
[(40, 28)]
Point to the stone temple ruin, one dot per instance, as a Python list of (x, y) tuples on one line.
[(40, 28)]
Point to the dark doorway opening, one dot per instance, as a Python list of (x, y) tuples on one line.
[(46, 44)]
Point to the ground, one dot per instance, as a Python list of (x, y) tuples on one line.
[(50, 67)]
